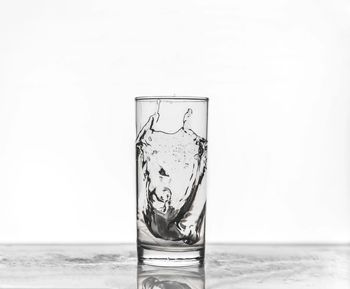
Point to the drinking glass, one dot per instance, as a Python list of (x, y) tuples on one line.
[(171, 162)]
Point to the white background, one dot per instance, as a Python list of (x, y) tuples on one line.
[(278, 77)]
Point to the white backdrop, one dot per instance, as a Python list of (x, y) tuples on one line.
[(277, 73)]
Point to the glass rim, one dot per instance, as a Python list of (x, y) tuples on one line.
[(172, 98)]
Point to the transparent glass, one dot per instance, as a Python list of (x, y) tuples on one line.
[(171, 162)]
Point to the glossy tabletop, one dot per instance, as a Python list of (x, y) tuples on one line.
[(226, 266)]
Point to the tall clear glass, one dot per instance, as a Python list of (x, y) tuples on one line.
[(171, 162)]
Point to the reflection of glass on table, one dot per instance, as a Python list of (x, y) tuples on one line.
[(190, 277)]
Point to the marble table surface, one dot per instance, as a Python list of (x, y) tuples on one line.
[(226, 266)]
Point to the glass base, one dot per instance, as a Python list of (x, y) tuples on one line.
[(163, 256)]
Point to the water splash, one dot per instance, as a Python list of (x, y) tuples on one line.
[(173, 166)]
